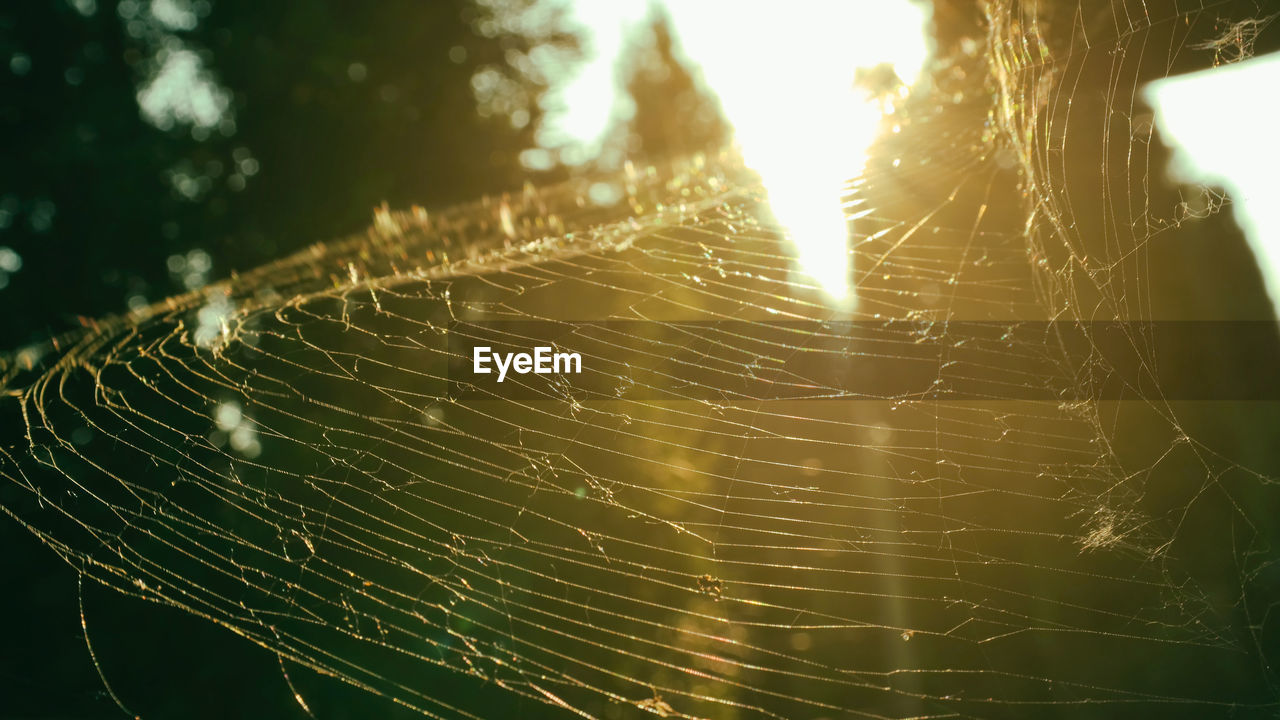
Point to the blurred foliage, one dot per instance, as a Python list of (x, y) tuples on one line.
[(340, 106)]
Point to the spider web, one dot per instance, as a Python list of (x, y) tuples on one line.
[(285, 454)]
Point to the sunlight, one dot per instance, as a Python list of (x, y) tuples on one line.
[(787, 84)]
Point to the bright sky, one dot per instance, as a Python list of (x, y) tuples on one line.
[(1223, 124), (785, 79)]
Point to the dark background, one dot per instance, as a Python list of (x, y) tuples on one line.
[(87, 203), (89, 209), (328, 148)]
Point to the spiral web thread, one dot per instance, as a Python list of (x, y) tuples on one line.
[(283, 455)]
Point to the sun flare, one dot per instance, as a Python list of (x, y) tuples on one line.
[(787, 83)]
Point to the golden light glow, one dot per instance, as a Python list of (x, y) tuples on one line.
[(785, 77), (786, 82)]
